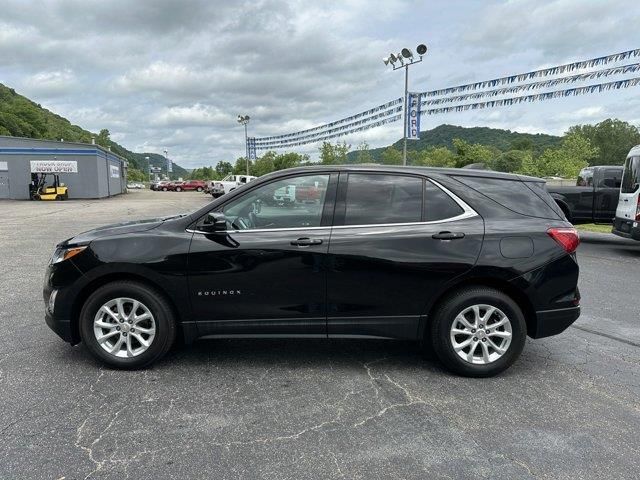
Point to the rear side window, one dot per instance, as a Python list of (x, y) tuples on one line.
[(514, 195), (375, 199), (611, 178), (438, 205)]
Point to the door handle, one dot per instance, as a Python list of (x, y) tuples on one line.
[(306, 242), (447, 236)]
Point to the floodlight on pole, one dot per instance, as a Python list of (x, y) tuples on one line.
[(406, 58), (244, 120)]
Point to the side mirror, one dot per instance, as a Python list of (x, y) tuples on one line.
[(214, 222)]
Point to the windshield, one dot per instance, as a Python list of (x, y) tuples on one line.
[(631, 175)]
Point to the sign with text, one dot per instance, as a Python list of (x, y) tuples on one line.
[(115, 171), (413, 116), (251, 148), (54, 166)]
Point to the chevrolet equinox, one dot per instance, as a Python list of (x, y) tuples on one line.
[(468, 263)]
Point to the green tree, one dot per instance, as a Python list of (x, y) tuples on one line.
[(438, 157), (612, 137), (468, 153), (135, 175), (240, 168), (391, 156), (363, 154), (103, 139), (223, 168), (334, 154), (511, 161), (566, 161)]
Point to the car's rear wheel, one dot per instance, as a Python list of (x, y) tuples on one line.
[(127, 324), (164, 189), (178, 189), (199, 189), (478, 332)]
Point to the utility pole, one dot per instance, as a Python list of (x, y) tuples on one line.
[(244, 120)]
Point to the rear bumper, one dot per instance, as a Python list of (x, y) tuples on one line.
[(553, 322), (625, 228)]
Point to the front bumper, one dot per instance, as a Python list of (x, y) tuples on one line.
[(63, 279), (625, 228), (553, 322), (61, 327)]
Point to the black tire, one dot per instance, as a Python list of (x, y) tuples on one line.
[(164, 189), (159, 307), (456, 303), (178, 189), (199, 189)]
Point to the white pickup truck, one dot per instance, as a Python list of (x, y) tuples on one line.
[(228, 183)]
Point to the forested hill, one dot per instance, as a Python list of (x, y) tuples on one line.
[(443, 135), (20, 117)]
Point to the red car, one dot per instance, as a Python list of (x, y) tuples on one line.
[(173, 187), (197, 185)]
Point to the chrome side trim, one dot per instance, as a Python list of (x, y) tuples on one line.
[(467, 212)]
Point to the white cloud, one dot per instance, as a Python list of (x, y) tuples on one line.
[(168, 74)]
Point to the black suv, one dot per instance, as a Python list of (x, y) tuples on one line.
[(466, 262)]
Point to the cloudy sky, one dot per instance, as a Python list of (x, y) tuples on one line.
[(175, 74)]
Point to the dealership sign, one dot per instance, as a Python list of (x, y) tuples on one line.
[(413, 116), (54, 166)]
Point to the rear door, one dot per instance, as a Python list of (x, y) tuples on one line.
[(396, 239), (607, 192)]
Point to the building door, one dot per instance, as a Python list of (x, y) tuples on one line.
[(4, 185)]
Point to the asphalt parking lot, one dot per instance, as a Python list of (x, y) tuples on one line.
[(291, 409)]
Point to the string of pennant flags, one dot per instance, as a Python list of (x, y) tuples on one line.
[(569, 92), (545, 72), (535, 85), (385, 106), (390, 112), (329, 132)]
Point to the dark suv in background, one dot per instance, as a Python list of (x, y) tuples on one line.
[(468, 263)]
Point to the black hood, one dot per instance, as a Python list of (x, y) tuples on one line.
[(116, 229)]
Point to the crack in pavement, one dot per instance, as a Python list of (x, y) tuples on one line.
[(606, 335)]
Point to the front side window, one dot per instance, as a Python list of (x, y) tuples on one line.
[(585, 178), (377, 199), (631, 175), (294, 202)]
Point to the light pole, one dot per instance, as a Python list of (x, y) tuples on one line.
[(404, 59), (148, 168), (166, 161), (244, 120)]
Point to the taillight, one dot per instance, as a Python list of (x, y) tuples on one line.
[(638, 210), (566, 237)]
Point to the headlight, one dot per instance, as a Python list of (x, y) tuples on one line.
[(62, 254)]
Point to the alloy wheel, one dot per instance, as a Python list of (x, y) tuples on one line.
[(124, 327), (481, 334)]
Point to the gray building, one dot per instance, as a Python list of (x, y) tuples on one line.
[(89, 171)]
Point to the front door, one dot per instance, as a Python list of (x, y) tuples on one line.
[(266, 274), (397, 239)]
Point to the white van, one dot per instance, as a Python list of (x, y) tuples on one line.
[(627, 221)]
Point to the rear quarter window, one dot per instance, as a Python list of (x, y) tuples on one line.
[(515, 195)]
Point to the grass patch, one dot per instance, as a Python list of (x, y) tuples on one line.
[(592, 227)]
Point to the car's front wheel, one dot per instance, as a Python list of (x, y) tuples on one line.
[(478, 332), (127, 324)]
